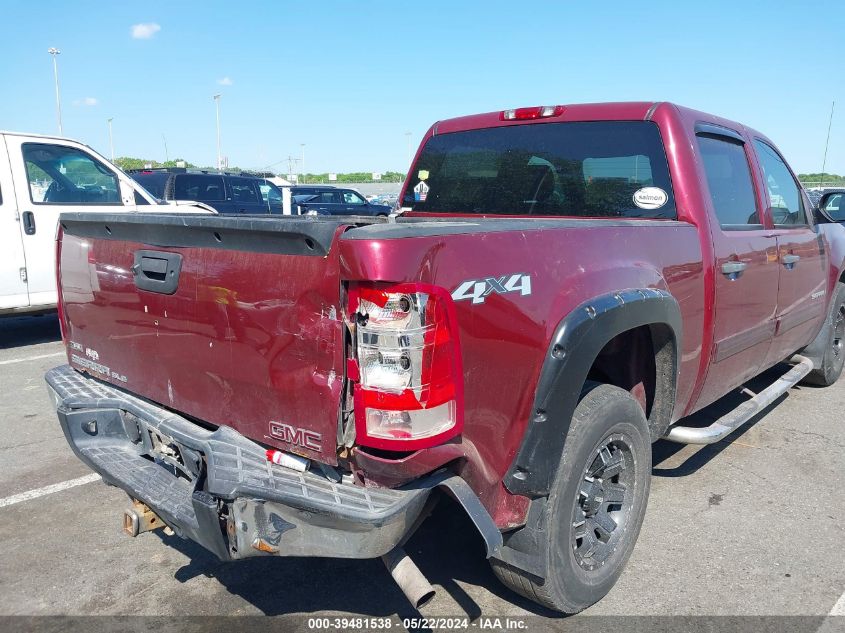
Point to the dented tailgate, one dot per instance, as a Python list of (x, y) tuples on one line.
[(233, 321)]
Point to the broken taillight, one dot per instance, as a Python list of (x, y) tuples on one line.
[(410, 384)]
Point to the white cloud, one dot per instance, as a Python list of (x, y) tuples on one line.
[(87, 101), (145, 30), (226, 81)]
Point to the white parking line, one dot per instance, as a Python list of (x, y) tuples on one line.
[(47, 490), (29, 358), (839, 607)]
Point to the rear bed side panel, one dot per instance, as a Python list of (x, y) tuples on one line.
[(247, 339), (504, 339)]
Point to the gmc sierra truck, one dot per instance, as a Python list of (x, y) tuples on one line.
[(558, 288)]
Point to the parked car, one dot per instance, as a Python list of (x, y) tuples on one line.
[(327, 200), (228, 193), (564, 286), (41, 176)]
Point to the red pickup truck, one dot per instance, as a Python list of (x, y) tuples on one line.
[(559, 287)]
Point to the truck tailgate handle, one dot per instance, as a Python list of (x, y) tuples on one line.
[(789, 261), (732, 270), (157, 271), (28, 218)]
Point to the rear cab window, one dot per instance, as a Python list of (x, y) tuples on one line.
[(614, 169)]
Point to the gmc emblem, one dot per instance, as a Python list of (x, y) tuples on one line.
[(296, 436)]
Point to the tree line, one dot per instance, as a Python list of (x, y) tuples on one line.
[(126, 163)]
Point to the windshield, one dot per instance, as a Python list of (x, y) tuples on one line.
[(589, 169)]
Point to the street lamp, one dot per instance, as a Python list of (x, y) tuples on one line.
[(111, 140), (302, 165), (55, 52), (219, 156)]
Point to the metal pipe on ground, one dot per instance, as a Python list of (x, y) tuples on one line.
[(408, 576)]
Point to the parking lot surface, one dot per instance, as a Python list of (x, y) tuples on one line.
[(750, 526)]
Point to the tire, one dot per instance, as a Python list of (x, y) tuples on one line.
[(832, 343), (606, 419)]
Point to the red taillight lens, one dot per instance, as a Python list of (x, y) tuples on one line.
[(410, 388), (539, 112)]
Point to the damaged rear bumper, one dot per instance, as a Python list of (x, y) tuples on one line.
[(217, 487)]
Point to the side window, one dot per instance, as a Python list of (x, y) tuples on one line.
[(729, 182), (243, 190), (328, 197), (350, 197), (270, 193), (784, 194), (201, 187), (66, 175)]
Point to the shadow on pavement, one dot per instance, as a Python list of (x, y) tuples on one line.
[(16, 331), (447, 549)]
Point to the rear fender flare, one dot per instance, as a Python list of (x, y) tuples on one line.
[(576, 343)]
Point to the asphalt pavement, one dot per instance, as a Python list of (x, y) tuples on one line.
[(752, 526)]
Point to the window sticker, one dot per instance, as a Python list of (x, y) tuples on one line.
[(650, 198), (421, 192), (423, 174)]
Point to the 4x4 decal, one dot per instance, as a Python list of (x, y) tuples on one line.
[(479, 289)]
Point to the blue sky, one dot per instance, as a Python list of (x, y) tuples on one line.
[(349, 79)]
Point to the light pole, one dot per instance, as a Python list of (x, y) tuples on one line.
[(219, 157), (302, 164), (55, 52), (111, 139)]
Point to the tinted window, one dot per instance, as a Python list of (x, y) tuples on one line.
[(65, 175), (729, 182), (243, 190), (270, 192), (784, 194), (205, 188), (350, 197), (561, 169), (153, 182), (327, 197)]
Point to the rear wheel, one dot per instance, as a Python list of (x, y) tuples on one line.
[(833, 343), (596, 505)]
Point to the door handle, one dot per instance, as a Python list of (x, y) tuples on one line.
[(733, 270), (157, 271), (28, 218), (789, 261)]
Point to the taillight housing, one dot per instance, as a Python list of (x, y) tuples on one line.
[(409, 391)]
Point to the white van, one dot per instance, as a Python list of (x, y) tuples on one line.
[(40, 177)]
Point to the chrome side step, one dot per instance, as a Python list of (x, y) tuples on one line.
[(730, 422)]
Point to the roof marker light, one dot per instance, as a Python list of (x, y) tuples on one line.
[(524, 114)]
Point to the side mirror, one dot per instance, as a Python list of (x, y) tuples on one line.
[(827, 212)]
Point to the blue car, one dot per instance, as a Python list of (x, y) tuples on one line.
[(326, 200)]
